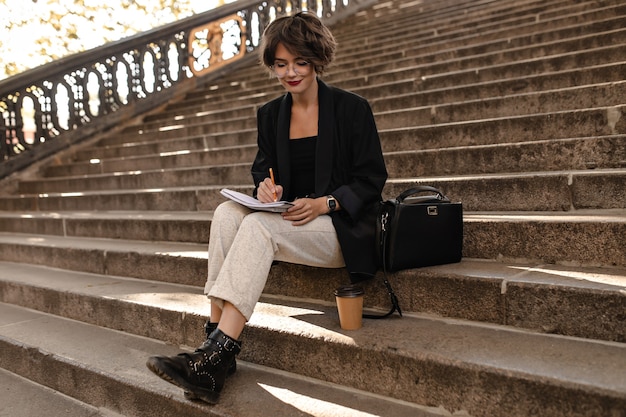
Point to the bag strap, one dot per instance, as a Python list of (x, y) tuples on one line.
[(395, 305)]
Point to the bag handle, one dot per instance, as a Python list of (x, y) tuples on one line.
[(420, 189)]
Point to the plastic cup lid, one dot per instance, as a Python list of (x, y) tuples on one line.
[(349, 291)]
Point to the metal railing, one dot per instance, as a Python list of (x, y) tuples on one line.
[(48, 108)]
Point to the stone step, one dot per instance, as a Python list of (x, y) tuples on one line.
[(96, 159), (558, 81), (514, 34), (514, 20), (548, 155), (106, 369), (561, 80), (448, 13), (433, 362), (459, 44), (440, 290), (186, 226), (519, 128), (476, 57), (540, 40), (550, 191), (510, 130), (535, 25), (370, 81), (529, 191), (238, 173), (481, 231), (430, 90), (101, 163), (574, 98), (137, 146), (599, 121), (469, 71)]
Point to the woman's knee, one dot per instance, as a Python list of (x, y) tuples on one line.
[(260, 222), (230, 211)]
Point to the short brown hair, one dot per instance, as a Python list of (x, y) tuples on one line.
[(304, 35)]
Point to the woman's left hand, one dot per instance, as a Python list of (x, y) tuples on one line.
[(305, 210)]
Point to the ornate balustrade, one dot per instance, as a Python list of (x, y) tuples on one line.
[(50, 107)]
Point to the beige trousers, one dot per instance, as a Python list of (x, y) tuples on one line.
[(244, 243)]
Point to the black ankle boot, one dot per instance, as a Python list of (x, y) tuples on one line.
[(208, 329), (203, 372)]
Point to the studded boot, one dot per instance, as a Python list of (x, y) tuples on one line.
[(208, 329), (203, 372)]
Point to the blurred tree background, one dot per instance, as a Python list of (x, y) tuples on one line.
[(40, 31)]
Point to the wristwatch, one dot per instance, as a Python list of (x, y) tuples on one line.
[(331, 203)]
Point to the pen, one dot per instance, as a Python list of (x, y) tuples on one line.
[(273, 183)]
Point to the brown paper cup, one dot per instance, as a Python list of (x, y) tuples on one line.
[(350, 306)]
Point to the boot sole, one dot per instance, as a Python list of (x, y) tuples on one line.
[(199, 393)]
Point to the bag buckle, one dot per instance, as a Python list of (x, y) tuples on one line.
[(383, 221), (432, 211)]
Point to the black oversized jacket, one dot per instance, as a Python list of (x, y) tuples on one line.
[(348, 164)]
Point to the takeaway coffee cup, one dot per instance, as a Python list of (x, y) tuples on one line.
[(350, 306)]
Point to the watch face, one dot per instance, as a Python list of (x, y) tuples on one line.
[(332, 204)]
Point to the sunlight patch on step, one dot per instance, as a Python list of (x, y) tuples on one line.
[(305, 321), (74, 194), (185, 254), (184, 302), (310, 405), (596, 277), (173, 127), (172, 153)]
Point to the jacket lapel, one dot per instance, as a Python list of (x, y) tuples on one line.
[(324, 150), (282, 143)]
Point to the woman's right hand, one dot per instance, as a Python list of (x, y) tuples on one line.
[(265, 191)]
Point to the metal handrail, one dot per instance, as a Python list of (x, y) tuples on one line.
[(80, 95)]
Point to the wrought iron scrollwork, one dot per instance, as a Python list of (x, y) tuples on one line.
[(216, 43)]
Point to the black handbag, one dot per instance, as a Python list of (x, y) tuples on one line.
[(415, 230)]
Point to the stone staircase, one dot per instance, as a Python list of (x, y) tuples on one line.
[(517, 108)]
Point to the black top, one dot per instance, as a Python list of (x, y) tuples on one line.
[(303, 167)]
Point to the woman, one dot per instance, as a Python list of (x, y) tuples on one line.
[(323, 147)]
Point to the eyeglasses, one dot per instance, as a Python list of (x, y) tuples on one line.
[(281, 69)]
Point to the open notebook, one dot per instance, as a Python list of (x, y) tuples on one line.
[(253, 203)]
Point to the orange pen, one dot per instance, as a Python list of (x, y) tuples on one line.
[(273, 183)]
